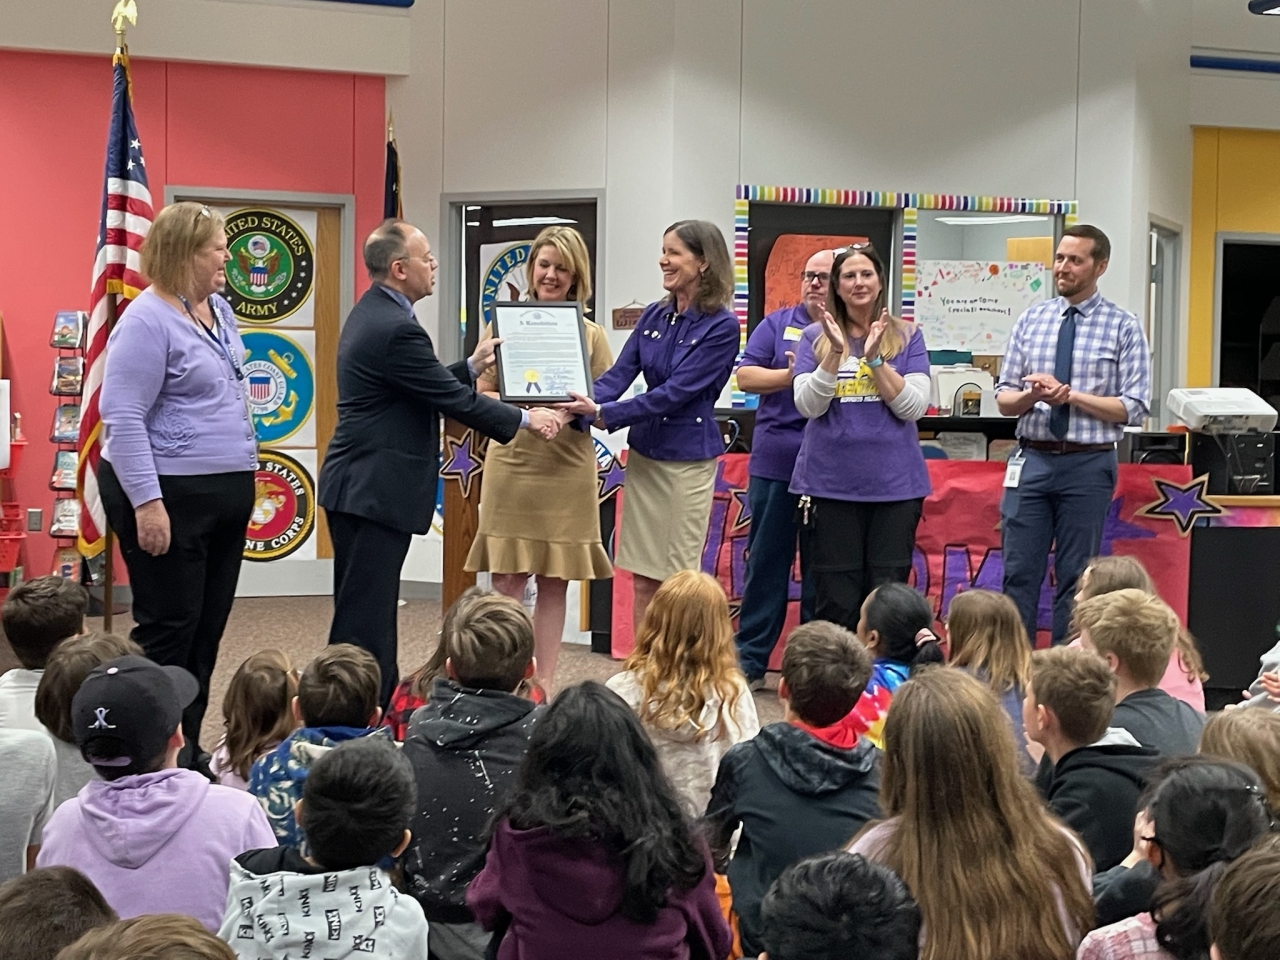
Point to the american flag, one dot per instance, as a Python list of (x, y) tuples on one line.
[(126, 218)]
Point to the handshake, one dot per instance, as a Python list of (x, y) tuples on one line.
[(545, 422)]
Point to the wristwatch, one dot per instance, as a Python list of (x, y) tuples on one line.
[(874, 361)]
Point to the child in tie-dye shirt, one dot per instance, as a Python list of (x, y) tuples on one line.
[(896, 625)]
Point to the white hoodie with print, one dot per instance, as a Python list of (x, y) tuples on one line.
[(322, 916)]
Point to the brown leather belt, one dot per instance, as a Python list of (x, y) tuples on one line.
[(1065, 446)]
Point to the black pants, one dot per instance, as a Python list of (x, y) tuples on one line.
[(182, 598), (367, 558), (855, 547)]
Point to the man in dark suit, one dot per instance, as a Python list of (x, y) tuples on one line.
[(378, 481)]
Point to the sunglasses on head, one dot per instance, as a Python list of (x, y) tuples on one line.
[(851, 248)]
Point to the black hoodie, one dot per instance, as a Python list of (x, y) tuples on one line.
[(465, 746), (1094, 790), (794, 796)]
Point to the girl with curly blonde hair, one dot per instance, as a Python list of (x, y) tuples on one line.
[(684, 683)]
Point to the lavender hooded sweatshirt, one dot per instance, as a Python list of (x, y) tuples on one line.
[(157, 842)]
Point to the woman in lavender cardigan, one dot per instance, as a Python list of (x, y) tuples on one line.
[(179, 455)]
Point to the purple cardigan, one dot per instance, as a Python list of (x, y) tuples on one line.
[(171, 402), (563, 898)]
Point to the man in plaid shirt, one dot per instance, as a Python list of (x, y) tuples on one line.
[(1076, 370)]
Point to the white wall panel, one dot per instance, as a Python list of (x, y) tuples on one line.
[(524, 95), (944, 98)]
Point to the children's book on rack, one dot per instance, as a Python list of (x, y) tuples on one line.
[(66, 563), (68, 329), (68, 374), (66, 518), (65, 463), (66, 424)]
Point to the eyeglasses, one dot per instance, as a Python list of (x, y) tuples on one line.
[(429, 259), (810, 276), (205, 212)]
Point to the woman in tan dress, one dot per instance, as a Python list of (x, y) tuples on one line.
[(539, 509)]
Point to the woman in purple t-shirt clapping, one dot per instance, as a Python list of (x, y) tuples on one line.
[(862, 380)]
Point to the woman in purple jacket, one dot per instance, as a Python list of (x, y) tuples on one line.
[(179, 453), (685, 345), (591, 855)]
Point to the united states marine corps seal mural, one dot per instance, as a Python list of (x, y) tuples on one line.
[(272, 268), (284, 508)]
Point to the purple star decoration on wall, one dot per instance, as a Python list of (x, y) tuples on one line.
[(462, 460), (1183, 505), (610, 476)]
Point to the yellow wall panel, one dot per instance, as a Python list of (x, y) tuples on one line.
[(1249, 181), (1204, 228), (1029, 250)]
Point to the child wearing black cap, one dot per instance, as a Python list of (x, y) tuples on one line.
[(334, 902), (152, 837)]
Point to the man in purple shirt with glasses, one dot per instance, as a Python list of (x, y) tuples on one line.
[(766, 369), (1076, 370)]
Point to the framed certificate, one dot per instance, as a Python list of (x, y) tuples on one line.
[(543, 354)]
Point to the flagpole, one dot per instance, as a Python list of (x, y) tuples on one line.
[(124, 12)]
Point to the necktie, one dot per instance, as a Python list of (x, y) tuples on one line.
[(1060, 416)]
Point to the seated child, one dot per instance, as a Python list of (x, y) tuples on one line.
[(896, 625), (839, 905), (1251, 737), (29, 770), (68, 665), (37, 616), (414, 690), (993, 872), (591, 855), (1184, 675), (1136, 632), (802, 786), (337, 701), (335, 901), (257, 714), (1098, 771), (1244, 923), (465, 746), (162, 936), (152, 837), (46, 910), (1203, 816), (683, 681), (986, 639)]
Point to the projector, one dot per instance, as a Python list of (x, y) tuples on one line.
[(1222, 410)]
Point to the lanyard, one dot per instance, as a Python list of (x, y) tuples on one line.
[(219, 338)]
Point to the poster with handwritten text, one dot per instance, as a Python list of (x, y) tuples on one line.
[(972, 304)]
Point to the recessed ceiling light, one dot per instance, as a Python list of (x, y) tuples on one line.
[(530, 221), (997, 218)]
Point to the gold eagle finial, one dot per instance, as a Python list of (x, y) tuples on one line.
[(125, 10)]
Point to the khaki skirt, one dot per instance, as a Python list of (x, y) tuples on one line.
[(666, 506)]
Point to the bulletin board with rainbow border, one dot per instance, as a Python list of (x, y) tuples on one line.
[(904, 267)]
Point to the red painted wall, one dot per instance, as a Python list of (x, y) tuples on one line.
[(201, 125)]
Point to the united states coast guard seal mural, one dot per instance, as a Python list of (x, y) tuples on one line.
[(282, 385), (284, 508), (272, 268)]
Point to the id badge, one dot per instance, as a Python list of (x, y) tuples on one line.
[(1013, 470)]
